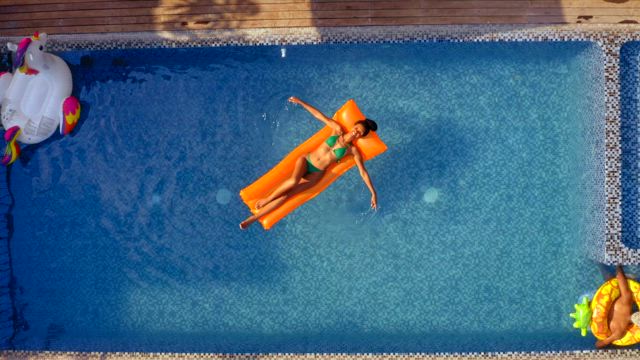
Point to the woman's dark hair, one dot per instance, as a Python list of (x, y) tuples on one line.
[(368, 125)]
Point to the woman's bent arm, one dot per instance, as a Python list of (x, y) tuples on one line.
[(317, 114)]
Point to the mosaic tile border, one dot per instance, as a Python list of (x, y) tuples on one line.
[(573, 355), (608, 38)]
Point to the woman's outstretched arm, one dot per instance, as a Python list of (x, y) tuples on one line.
[(318, 115), (365, 176)]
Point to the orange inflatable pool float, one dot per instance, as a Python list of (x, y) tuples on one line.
[(601, 305), (369, 147)]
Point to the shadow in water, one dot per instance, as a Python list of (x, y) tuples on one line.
[(433, 156), (180, 243), (6, 60), (179, 238), (12, 307)]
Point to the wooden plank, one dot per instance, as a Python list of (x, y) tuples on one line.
[(71, 14), (181, 2), (342, 5), (423, 21), (306, 7), (387, 13), (289, 11), (34, 8), (18, 17), (267, 23), (355, 5), (585, 3), (595, 19), (36, 2), (432, 3), (68, 14), (279, 23), (584, 11)]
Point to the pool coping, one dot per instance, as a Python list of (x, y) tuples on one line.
[(568, 355), (609, 38)]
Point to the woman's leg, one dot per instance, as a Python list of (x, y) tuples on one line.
[(299, 170), (263, 211), (311, 180)]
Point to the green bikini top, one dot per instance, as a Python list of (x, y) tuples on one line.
[(340, 152)]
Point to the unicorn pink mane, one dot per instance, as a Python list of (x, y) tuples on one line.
[(20, 62), (20, 53)]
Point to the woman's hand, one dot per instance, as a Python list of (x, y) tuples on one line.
[(317, 114), (374, 202), (295, 100)]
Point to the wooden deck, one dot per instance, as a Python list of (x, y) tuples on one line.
[(20, 17)]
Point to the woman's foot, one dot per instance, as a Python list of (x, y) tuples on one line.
[(245, 224)]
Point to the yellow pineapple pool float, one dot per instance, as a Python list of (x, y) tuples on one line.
[(600, 306)]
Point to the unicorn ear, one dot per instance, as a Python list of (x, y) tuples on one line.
[(43, 37), (12, 47)]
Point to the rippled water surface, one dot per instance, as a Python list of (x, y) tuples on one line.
[(126, 233)]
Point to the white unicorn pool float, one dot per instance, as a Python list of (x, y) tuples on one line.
[(35, 99)]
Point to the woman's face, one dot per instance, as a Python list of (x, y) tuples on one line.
[(357, 131)]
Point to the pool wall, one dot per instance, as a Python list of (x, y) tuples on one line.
[(8, 313), (605, 241)]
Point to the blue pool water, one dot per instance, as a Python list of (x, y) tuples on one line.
[(629, 115), (126, 233)]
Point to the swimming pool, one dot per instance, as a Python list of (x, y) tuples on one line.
[(126, 234)]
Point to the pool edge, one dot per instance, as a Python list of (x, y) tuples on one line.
[(567, 355)]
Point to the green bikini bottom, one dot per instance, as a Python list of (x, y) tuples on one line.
[(310, 167)]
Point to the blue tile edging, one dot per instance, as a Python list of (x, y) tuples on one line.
[(568, 355)]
